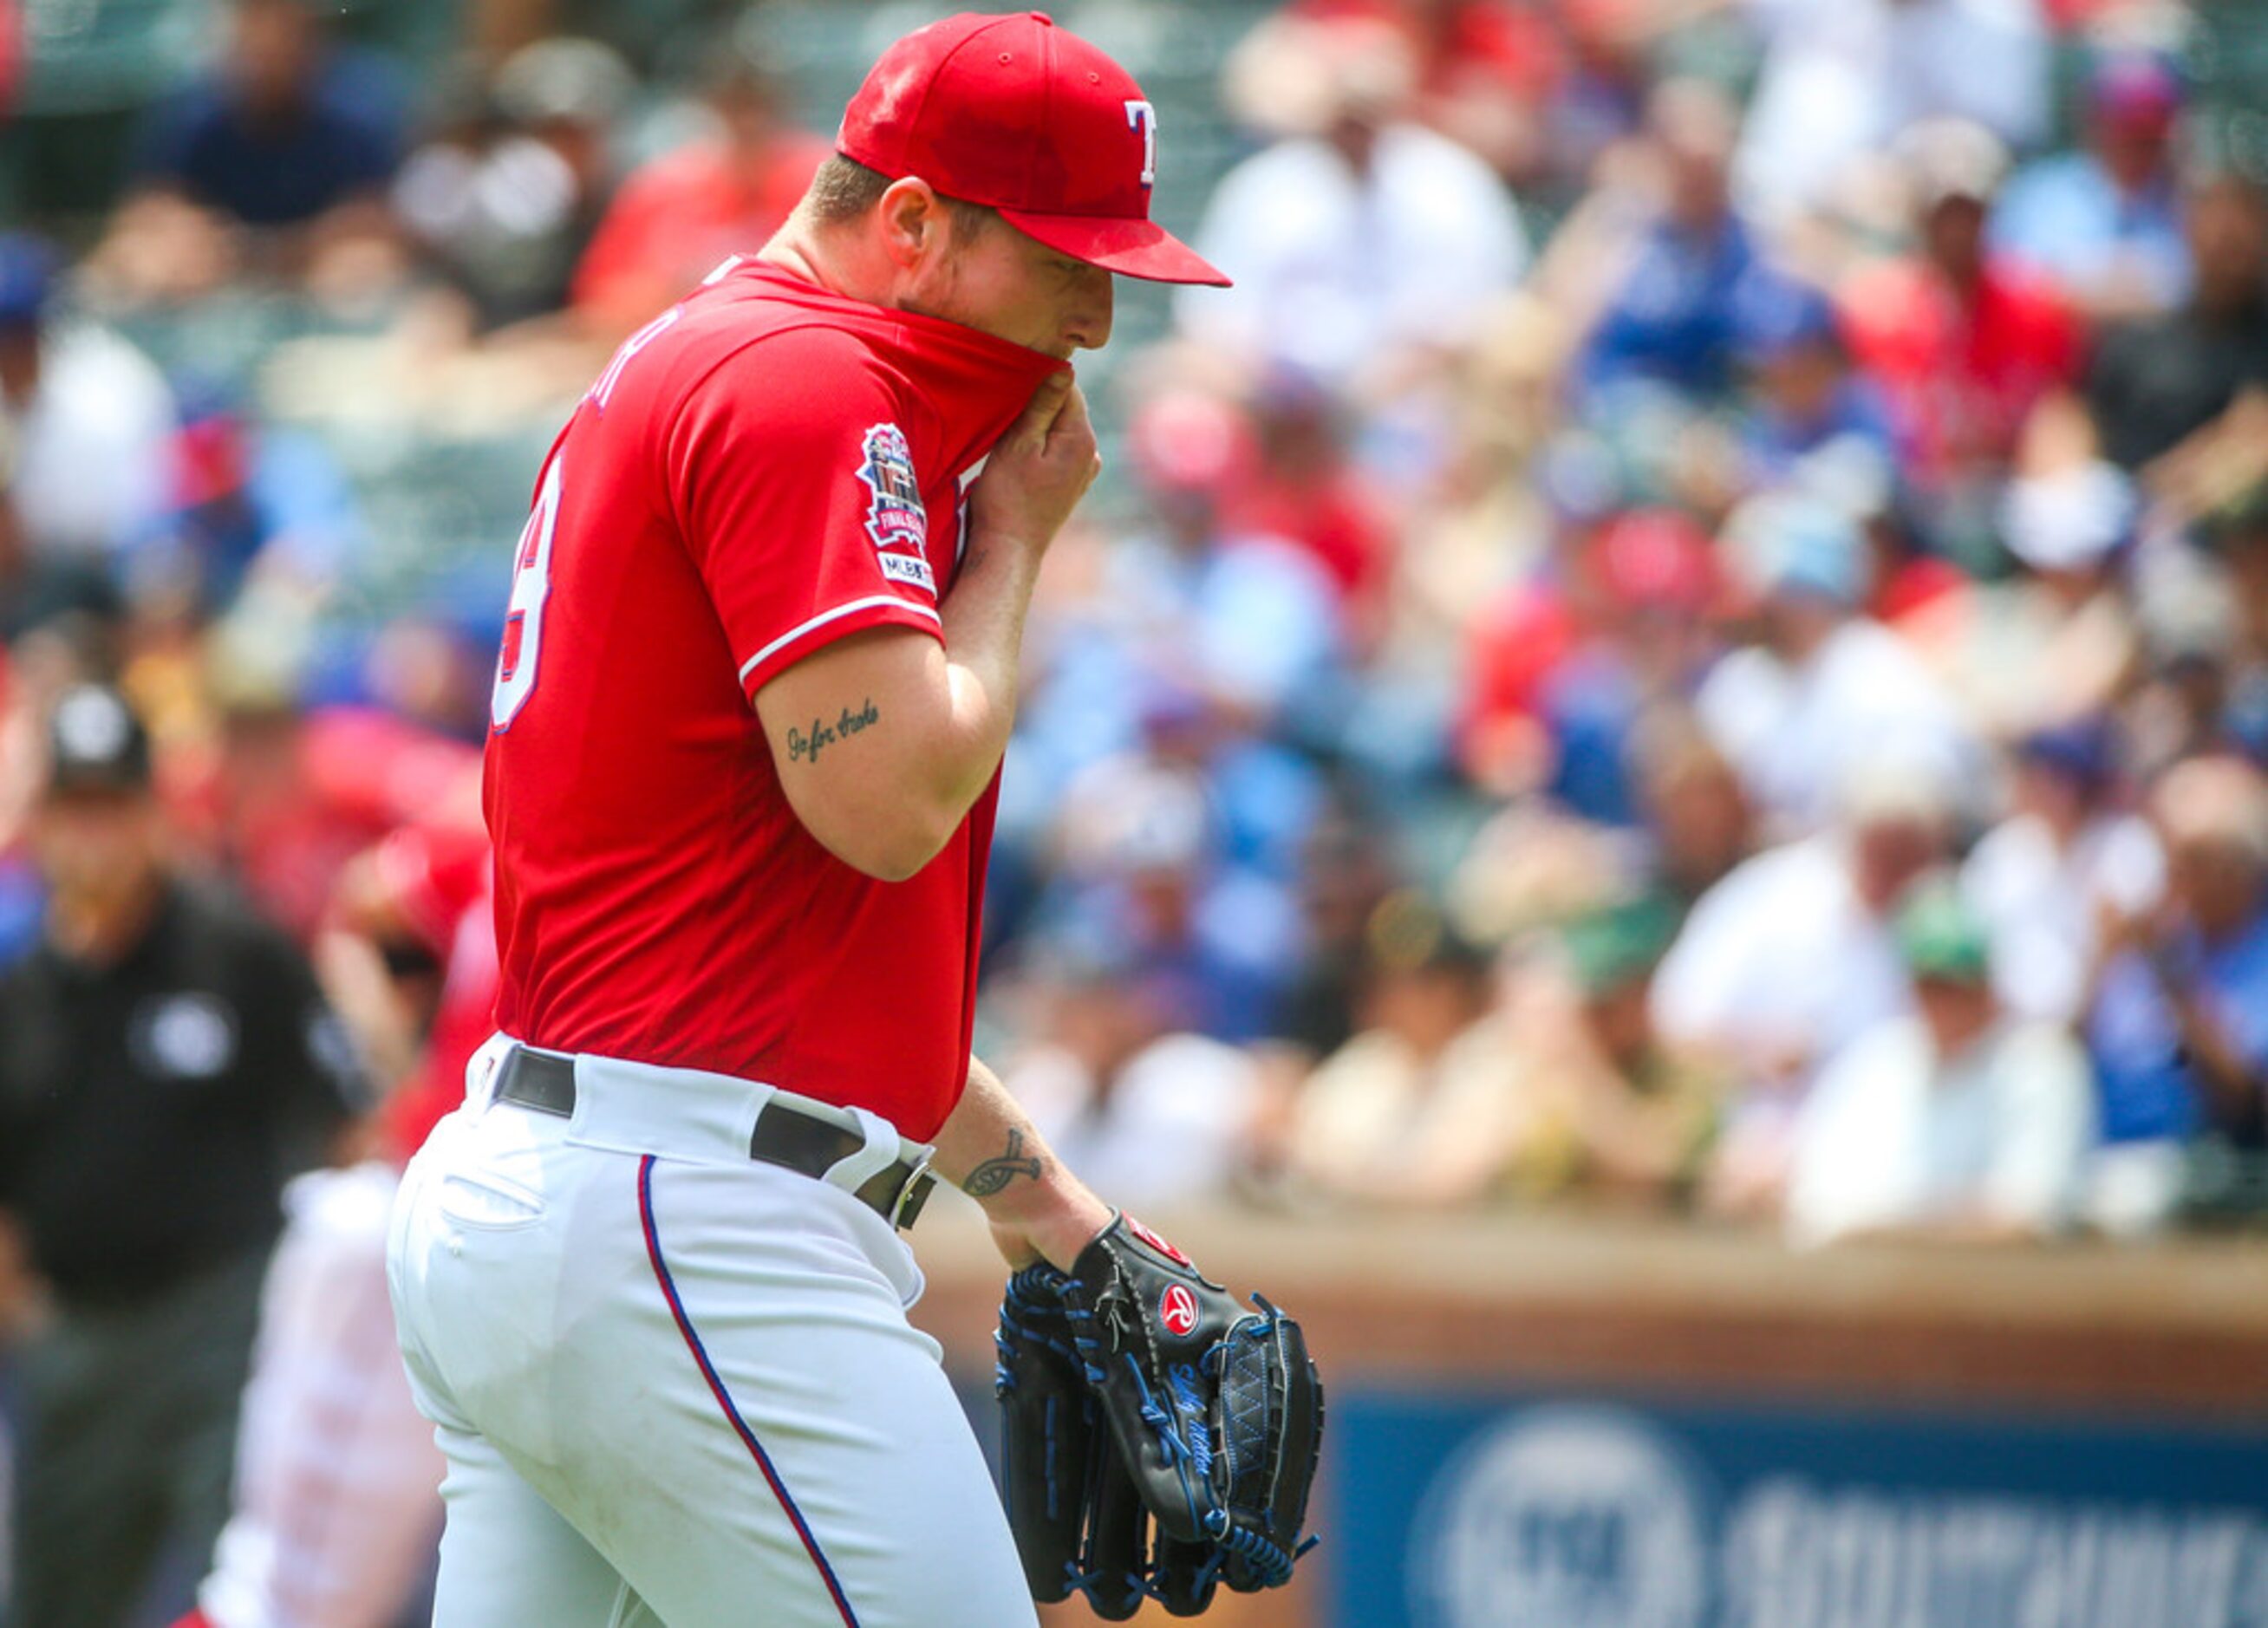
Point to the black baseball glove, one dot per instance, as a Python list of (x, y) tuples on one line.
[(1157, 1439)]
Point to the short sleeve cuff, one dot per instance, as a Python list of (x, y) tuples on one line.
[(878, 610)]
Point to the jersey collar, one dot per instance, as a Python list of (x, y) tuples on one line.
[(974, 382)]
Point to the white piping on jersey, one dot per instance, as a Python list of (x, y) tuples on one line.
[(960, 531), (826, 617)]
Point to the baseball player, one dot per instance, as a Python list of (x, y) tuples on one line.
[(759, 668)]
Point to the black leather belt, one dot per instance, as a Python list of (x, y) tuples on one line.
[(785, 1135)]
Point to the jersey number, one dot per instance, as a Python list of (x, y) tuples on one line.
[(523, 622), (531, 571)]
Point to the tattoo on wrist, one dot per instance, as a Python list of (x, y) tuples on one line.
[(825, 732), (994, 1174)]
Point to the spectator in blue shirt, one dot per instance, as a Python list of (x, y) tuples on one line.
[(1806, 394), (285, 131), (2179, 1028), (1670, 320), (2105, 221), (1144, 871), (248, 502)]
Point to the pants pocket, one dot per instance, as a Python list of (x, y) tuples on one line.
[(485, 1200)]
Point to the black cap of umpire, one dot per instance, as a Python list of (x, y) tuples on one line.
[(96, 743)]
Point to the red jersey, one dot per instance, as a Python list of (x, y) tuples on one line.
[(762, 470), (1962, 376)]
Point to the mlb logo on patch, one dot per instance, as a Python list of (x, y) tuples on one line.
[(896, 519)]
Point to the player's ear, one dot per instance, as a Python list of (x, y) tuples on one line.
[(911, 219)]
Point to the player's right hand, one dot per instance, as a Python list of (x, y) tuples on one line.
[(1039, 471)]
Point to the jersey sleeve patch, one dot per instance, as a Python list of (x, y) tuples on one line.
[(896, 519), (796, 491)]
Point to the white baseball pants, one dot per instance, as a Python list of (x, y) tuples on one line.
[(676, 1385), (337, 1482)]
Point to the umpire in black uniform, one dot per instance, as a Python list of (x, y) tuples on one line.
[(166, 1063)]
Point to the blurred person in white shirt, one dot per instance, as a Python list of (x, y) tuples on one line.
[(1363, 238), (1421, 1107), (1827, 687), (1168, 1118), (2046, 879), (1961, 1121), (1841, 78), (87, 418), (1791, 957)]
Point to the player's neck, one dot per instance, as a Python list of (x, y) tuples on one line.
[(802, 249)]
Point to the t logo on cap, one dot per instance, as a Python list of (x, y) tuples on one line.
[(1029, 119), (1143, 117)]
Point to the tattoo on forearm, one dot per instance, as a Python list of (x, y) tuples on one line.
[(994, 1174), (806, 747)]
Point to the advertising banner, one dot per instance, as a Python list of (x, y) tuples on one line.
[(1551, 1511)]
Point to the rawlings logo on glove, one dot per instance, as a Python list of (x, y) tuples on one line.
[(1158, 1438)]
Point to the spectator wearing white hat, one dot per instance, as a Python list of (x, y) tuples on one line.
[(2053, 643)]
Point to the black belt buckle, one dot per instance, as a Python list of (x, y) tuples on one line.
[(906, 1209), (542, 1081), (786, 1135)]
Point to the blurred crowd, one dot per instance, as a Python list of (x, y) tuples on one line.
[(1693, 634)]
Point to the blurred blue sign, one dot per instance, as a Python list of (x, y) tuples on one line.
[(1549, 1513)]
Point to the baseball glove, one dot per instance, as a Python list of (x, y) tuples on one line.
[(1157, 1439)]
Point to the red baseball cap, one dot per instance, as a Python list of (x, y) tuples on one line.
[(1016, 113)]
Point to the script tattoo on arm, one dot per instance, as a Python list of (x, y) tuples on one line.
[(805, 747), (994, 1174)]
